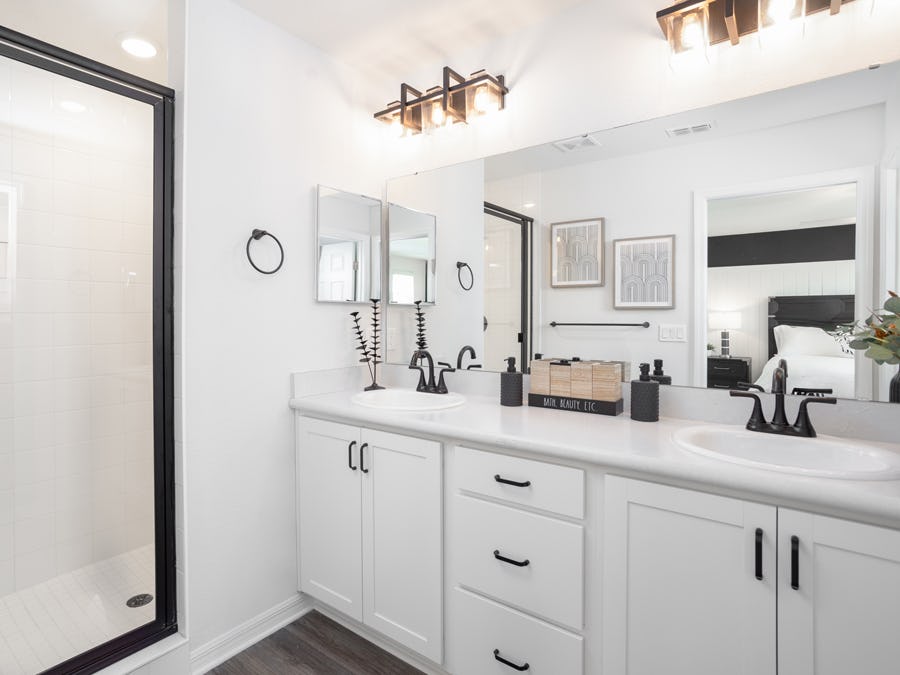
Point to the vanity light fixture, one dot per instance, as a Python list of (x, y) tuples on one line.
[(721, 20), (456, 99)]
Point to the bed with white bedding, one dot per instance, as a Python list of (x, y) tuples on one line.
[(815, 357)]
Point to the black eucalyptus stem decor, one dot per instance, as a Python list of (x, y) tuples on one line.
[(421, 342), (369, 348)]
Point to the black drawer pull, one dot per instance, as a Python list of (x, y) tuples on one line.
[(506, 481), (350, 455), (795, 563), (362, 458), (725, 368), (759, 538), (512, 665), (517, 563)]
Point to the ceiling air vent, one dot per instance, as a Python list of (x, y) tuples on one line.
[(687, 131), (577, 143)]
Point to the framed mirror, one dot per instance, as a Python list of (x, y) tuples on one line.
[(348, 250), (754, 157)]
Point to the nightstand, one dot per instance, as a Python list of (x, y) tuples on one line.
[(725, 373)]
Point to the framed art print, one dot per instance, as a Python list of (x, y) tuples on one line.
[(576, 253), (644, 273)]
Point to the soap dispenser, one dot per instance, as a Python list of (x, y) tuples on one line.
[(658, 374), (511, 384), (645, 397)]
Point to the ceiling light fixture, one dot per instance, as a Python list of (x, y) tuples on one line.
[(139, 47), (713, 21), (457, 99)]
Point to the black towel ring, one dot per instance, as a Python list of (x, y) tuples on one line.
[(259, 234), (459, 269)]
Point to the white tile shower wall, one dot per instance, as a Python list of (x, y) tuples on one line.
[(76, 476)]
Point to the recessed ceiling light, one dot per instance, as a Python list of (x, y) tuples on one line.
[(139, 47), (72, 106)]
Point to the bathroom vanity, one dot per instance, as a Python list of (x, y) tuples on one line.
[(484, 539)]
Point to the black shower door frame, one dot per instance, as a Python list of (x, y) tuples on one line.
[(526, 302), (28, 50)]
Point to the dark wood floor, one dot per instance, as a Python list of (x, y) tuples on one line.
[(314, 645)]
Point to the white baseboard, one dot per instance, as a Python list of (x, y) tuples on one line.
[(379, 640), (222, 648)]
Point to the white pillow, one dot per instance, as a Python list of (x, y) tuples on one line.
[(805, 340)]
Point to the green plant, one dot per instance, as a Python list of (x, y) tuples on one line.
[(710, 346), (879, 335)]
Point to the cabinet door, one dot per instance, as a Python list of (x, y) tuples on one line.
[(844, 614), (329, 513), (681, 593), (402, 539)]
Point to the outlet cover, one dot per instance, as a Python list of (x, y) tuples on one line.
[(672, 332)]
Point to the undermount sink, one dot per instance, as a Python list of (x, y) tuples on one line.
[(826, 457), (407, 400)]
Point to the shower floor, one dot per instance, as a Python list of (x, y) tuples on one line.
[(51, 622)]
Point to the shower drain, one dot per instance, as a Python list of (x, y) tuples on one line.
[(139, 600)]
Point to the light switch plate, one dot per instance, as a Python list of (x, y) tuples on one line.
[(672, 332)]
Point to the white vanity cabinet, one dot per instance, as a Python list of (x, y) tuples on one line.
[(370, 530), (703, 584), (517, 551), (844, 615)]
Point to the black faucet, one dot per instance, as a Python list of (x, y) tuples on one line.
[(462, 353), (414, 362), (802, 427), (429, 386), (779, 388)]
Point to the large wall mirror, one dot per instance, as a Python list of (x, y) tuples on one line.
[(348, 252), (783, 212)]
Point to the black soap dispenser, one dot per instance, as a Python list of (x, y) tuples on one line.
[(658, 374), (511, 384), (645, 397)]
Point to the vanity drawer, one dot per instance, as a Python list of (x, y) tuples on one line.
[(482, 626), (558, 489), (489, 539)]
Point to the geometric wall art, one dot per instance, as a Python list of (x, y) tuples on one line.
[(576, 253), (644, 273)]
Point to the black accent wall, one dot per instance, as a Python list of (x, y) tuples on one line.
[(814, 244)]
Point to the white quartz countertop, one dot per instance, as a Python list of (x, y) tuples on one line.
[(619, 445)]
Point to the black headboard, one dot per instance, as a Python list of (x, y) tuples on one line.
[(822, 311)]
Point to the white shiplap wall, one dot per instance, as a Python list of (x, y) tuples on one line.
[(746, 289)]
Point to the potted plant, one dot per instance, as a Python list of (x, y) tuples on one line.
[(710, 349), (880, 337)]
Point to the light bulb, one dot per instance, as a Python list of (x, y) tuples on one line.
[(691, 32), (437, 114), (484, 102), (780, 10), (396, 128)]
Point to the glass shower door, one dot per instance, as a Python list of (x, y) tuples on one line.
[(80, 438)]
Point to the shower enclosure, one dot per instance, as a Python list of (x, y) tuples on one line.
[(86, 398)]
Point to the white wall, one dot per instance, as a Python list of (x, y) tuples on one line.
[(651, 194), (76, 443), (266, 118)]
